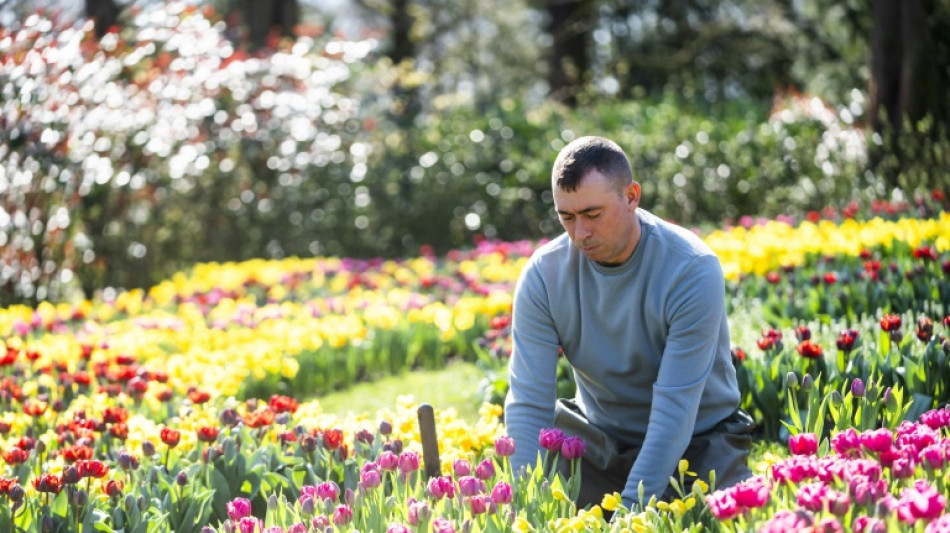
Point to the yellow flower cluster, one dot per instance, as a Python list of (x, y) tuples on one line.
[(766, 247)]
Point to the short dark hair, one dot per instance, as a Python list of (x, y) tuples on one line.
[(584, 154)]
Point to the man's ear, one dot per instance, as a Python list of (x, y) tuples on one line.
[(632, 194)]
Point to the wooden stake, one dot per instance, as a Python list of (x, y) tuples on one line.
[(430, 442)]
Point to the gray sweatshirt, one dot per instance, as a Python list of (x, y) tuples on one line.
[(648, 341)]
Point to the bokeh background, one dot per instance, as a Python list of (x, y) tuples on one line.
[(140, 138)]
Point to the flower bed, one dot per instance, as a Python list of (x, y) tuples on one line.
[(183, 408)]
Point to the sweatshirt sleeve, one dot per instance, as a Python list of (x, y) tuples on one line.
[(695, 313), (532, 392)]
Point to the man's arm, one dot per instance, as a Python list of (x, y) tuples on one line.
[(696, 310), (532, 391)]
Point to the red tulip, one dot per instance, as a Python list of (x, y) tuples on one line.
[(170, 437), (207, 433), (809, 350), (283, 404)]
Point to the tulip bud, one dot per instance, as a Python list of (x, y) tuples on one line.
[(16, 493), (791, 381), (79, 498), (307, 506), (385, 427), (282, 418), (129, 502), (71, 475), (207, 529), (272, 503), (46, 524), (228, 417), (890, 402), (182, 478), (148, 448), (857, 388), (808, 382), (836, 398)]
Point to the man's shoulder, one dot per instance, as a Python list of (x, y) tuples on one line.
[(555, 250), (673, 238)]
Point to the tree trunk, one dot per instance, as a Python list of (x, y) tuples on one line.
[(402, 45), (104, 12), (907, 83), (570, 23), (267, 18)]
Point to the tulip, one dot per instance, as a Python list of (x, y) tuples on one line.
[(485, 469), (408, 462), (504, 446), (551, 439), (501, 493), (239, 508), (573, 447), (803, 444), (857, 388), (470, 486), (441, 487), (461, 467), (342, 515), (170, 437)]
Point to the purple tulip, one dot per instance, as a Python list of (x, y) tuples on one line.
[(239, 508), (504, 446), (550, 439), (573, 447)]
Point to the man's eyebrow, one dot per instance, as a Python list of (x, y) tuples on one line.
[(582, 211)]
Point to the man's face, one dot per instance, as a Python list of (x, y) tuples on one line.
[(600, 222)]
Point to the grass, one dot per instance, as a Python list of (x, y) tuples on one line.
[(455, 385)]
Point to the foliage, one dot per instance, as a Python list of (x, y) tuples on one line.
[(163, 145)]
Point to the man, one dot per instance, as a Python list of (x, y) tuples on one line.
[(637, 305)]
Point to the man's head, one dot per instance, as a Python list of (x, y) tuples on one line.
[(582, 155), (596, 199)]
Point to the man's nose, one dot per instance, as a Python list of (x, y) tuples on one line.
[(582, 230)]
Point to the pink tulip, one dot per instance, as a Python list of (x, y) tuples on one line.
[(785, 521), (442, 525), (342, 515), (299, 527), (504, 446), (398, 528), (470, 486), (371, 479), (940, 525), (846, 443), (441, 487), (419, 512), (485, 469), (723, 505), (812, 496), (753, 492), (239, 508), (408, 462), (550, 439), (501, 493), (327, 490), (249, 524), (388, 461), (803, 444), (866, 524), (479, 503), (877, 440), (320, 523), (920, 502), (573, 447), (461, 467)]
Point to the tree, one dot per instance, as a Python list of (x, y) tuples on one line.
[(910, 72), (266, 18), (104, 12), (570, 24)]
